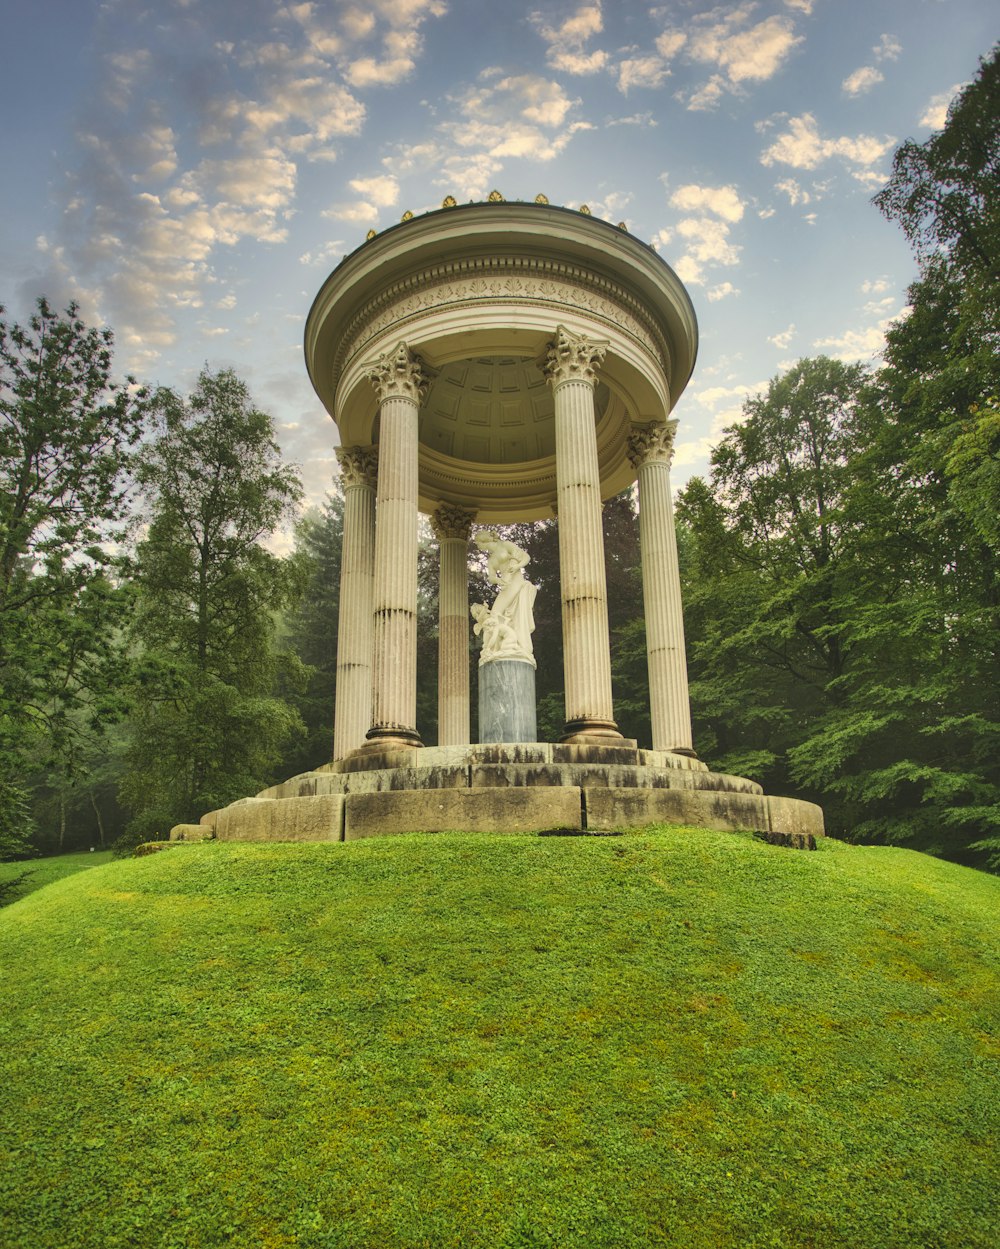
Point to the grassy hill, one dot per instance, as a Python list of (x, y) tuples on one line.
[(675, 1038), (19, 879)]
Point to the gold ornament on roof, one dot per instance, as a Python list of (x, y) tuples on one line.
[(369, 236), (541, 199), (622, 226), (584, 208), (449, 201), (407, 216), (495, 197)]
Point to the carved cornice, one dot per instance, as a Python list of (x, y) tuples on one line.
[(652, 444), (524, 281), (358, 466), (398, 374), (452, 521), (573, 358)]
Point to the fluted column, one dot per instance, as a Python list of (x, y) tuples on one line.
[(452, 525), (353, 701), (651, 451), (400, 385), (572, 372)]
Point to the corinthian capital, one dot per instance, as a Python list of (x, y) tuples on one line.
[(398, 374), (653, 444), (358, 466), (573, 358), (452, 521)]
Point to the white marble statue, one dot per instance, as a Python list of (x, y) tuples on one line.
[(506, 628)]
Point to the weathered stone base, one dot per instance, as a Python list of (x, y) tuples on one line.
[(516, 787)]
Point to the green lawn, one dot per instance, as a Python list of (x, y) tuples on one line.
[(676, 1038), (39, 872)]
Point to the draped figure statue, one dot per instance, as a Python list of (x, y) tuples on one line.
[(506, 628)]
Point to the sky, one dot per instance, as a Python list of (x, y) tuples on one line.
[(190, 171)]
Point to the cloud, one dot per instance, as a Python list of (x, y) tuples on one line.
[(383, 189), (641, 71), (705, 97), (357, 212), (520, 115), (856, 344), (705, 232), (796, 195), (380, 191), (188, 157), (936, 113), (802, 147), (723, 201), (612, 206), (324, 255), (874, 286), (401, 40), (740, 51), (634, 119), (723, 406), (566, 41), (888, 48), (670, 43), (862, 80), (752, 55), (722, 291), (783, 339)]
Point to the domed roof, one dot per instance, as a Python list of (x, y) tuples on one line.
[(477, 293)]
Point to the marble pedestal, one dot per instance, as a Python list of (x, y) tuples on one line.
[(507, 701)]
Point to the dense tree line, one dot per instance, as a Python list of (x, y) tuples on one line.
[(843, 594), (840, 570)]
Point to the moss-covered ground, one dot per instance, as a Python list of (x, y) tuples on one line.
[(673, 1038)]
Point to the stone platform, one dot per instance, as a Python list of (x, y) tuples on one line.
[(504, 788)]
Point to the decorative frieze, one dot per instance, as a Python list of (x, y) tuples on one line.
[(358, 466), (573, 358), (527, 281), (652, 444), (451, 521), (398, 374)]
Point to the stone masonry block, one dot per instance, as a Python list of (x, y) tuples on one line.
[(611, 809), (525, 810), (283, 819), (790, 815)]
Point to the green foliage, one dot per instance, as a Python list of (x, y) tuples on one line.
[(310, 635), (65, 429), (16, 882), (943, 192), (206, 725), (843, 605), (676, 1037)]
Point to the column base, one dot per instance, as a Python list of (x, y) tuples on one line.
[(591, 732), (389, 737), (683, 750)]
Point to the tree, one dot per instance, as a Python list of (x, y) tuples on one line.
[(939, 447), (943, 192), (206, 724), (766, 611), (310, 632), (65, 430)]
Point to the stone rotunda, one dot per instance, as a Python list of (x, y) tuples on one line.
[(490, 363)]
